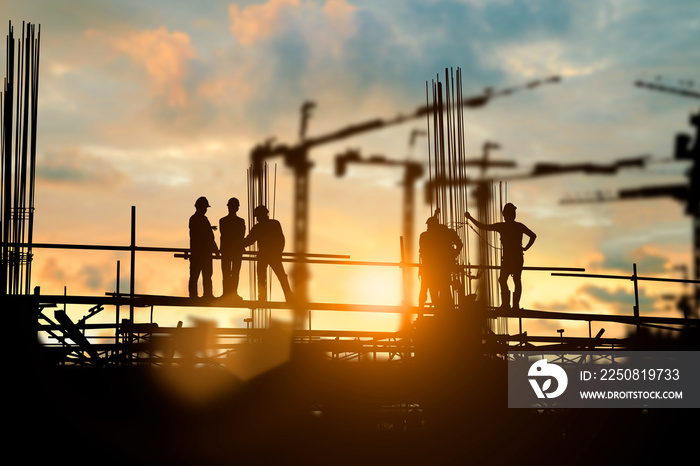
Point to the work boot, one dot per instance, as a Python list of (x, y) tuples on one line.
[(516, 300), (505, 300)]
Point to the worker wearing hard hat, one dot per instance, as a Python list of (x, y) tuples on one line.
[(232, 231), (438, 246), (268, 234), (202, 246), (512, 260)]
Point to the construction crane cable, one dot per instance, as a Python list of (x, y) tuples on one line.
[(486, 239)]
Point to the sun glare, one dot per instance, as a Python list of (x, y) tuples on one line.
[(377, 286)]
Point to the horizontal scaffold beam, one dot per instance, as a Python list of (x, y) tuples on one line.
[(310, 258), (143, 300), (616, 318)]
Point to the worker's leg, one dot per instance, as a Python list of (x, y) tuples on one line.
[(445, 291), (207, 272), (422, 293), (226, 269), (516, 294), (235, 273), (518, 289), (262, 279), (195, 270), (503, 284), (278, 268), (516, 269)]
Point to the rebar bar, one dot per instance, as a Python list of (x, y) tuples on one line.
[(18, 117)]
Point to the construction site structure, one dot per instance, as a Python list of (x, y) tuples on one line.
[(296, 157), (431, 393)]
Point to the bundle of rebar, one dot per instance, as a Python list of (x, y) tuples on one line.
[(259, 195), (18, 119), (446, 167), (448, 179), (446, 156)]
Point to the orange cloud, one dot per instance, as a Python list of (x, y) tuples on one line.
[(164, 56), (256, 22)]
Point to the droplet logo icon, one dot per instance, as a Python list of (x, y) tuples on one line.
[(544, 371)]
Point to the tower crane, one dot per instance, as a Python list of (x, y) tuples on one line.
[(413, 171), (296, 157), (688, 193), (657, 86)]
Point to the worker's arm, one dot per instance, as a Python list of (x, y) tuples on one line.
[(251, 238), (532, 239), (483, 226)]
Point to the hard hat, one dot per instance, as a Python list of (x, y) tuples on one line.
[(233, 201), (261, 209), (509, 206), (202, 201)]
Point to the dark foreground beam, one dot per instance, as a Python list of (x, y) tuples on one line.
[(621, 319), (141, 300)]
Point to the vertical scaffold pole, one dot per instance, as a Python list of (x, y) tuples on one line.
[(132, 248)]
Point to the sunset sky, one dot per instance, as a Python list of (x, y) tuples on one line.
[(155, 103)]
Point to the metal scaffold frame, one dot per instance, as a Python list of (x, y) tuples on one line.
[(141, 343)]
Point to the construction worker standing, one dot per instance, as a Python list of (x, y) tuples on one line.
[(202, 246), (438, 248), (512, 260), (268, 234), (232, 230)]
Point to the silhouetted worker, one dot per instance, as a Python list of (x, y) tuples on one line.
[(232, 230), (512, 249), (268, 234), (438, 247), (202, 245)]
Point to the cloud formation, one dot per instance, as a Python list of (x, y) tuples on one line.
[(72, 166), (259, 21), (317, 21), (163, 55)]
